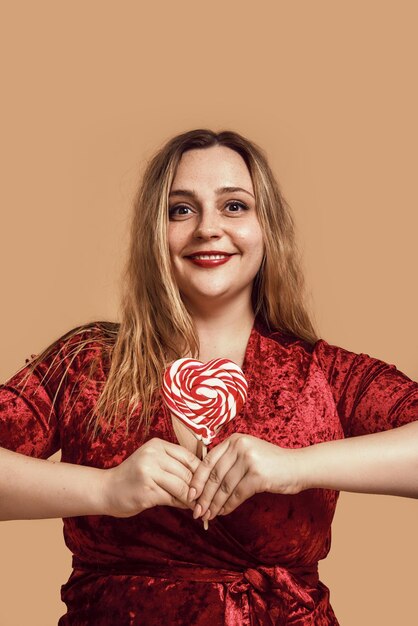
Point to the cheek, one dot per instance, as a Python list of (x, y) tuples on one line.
[(258, 251), (250, 237), (174, 240), (245, 234), (170, 237)]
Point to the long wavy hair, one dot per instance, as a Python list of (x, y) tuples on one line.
[(155, 327)]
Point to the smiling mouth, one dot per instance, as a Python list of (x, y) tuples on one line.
[(209, 260), (209, 257)]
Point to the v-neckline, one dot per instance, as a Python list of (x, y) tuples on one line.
[(247, 368)]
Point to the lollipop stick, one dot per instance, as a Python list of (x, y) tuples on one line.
[(201, 451)]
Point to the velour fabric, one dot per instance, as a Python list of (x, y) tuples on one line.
[(257, 565)]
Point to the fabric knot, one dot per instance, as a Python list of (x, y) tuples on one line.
[(238, 587), (252, 595), (269, 594), (256, 578)]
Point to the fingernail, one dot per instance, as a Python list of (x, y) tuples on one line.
[(206, 516), (192, 493), (197, 511)]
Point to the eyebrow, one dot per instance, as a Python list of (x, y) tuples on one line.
[(193, 194)]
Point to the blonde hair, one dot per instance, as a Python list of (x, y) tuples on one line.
[(155, 326)]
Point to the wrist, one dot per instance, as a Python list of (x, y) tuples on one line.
[(303, 475), (98, 491), (116, 497), (290, 475), (299, 470), (107, 491)]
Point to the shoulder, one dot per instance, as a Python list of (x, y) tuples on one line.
[(347, 370), (91, 331), (83, 344), (91, 336), (337, 361), (70, 352), (324, 353), (331, 359)]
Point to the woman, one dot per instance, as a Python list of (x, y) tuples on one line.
[(212, 272)]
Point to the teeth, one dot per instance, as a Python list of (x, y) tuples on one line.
[(209, 256)]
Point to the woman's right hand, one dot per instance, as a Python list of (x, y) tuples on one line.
[(157, 473)]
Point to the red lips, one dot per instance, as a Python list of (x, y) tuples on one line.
[(209, 262)]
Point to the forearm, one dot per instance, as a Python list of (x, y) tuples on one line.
[(38, 489), (381, 463)]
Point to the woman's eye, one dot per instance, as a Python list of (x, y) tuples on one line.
[(236, 207), (179, 210)]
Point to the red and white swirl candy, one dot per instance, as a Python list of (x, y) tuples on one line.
[(204, 396)]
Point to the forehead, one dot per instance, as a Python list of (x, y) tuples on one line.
[(214, 166)]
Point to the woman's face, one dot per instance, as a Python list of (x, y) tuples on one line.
[(215, 239)]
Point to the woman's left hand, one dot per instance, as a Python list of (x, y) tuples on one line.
[(238, 468)]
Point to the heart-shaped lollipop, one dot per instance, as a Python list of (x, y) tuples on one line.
[(204, 396)]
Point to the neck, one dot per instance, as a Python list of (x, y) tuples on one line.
[(224, 332)]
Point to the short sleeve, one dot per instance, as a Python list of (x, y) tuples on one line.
[(370, 394), (31, 400)]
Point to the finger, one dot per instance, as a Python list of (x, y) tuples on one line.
[(164, 498), (226, 488), (244, 490), (215, 480), (202, 473), (183, 455), (174, 486), (172, 466)]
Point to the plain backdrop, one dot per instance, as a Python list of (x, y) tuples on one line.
[(328, 89)]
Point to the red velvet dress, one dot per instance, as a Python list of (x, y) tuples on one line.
[(255, 566)]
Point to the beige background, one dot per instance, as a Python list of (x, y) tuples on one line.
[(90, 89)]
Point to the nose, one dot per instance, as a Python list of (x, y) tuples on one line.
[(209, 226)]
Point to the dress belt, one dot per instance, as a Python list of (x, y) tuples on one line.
[(261, 595)]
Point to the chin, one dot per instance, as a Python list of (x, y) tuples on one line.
[(199, 299), (208, 296)]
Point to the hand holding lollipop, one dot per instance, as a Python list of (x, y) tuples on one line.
[(204, 396)]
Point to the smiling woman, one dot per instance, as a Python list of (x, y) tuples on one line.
[(212, 271), (214, 236)]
